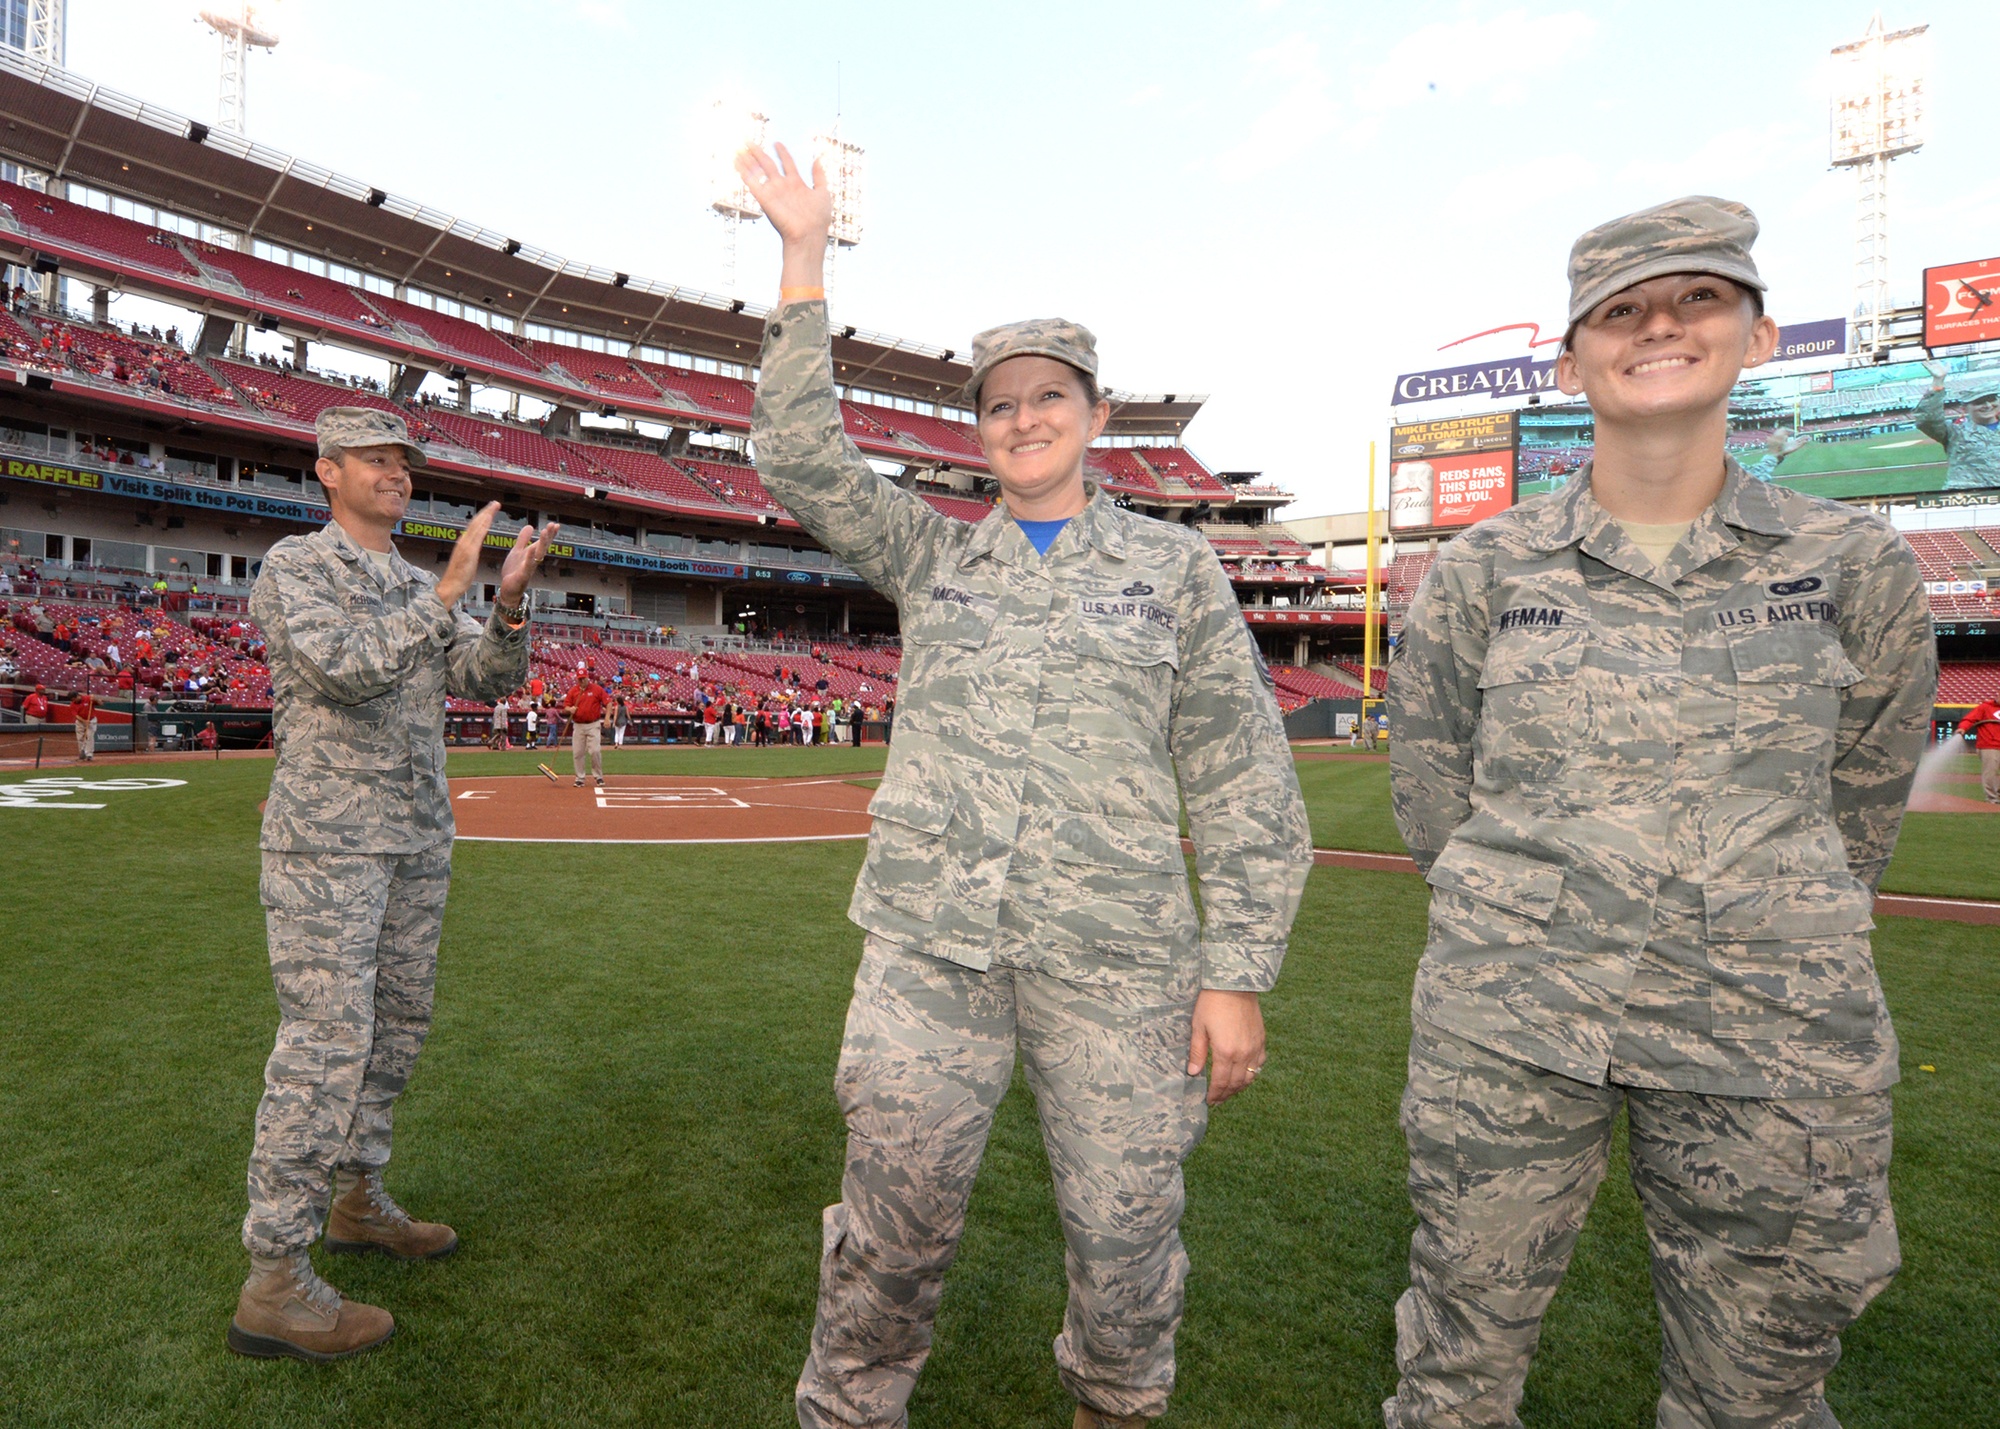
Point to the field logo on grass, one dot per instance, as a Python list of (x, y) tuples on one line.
[(58, 790)]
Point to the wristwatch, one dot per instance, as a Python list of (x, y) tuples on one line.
[(512, 616)]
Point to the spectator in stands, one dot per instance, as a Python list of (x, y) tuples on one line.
[(1972, 444), (1655, 907), (1021, 901), (1982, 727)]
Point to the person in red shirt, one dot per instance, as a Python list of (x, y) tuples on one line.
[(585, 704), (35, 708), (83, 717), (1982, 727)]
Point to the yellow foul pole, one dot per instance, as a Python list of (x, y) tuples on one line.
[(1371, 597)]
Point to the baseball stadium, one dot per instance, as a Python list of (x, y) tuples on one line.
[(626, 1102)]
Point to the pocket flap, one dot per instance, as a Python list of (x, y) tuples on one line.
[(1129, 642), (1512, 881), (1117, 843), (918, 806), (1533, 655), (1799, 653), (1819, 905)]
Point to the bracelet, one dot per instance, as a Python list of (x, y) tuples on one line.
[(800, 295), (512, 616)]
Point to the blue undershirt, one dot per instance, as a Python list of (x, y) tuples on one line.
[(1041, 534)]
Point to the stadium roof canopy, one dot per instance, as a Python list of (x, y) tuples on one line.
[(70, 128)]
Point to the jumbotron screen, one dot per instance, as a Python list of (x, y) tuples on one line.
[(1894, 429)]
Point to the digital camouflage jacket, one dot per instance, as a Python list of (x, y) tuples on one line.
[(1029, 812), (1653, 804), (360, 669)]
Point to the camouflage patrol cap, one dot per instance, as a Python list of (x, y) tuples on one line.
[(1065, 341), (1697, 234), (341, 427)]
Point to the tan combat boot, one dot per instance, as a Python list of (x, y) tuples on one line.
[(364, 1218), (1088, 1418), (287, 1310)]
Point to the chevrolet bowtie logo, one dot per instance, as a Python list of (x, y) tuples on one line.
[(1141, 588)]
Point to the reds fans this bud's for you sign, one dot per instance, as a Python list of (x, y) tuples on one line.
[(1444, 476)]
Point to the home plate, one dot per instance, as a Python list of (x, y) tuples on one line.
[(641, 808)]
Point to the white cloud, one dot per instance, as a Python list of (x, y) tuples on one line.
[(1303, 110), (1507, 60)]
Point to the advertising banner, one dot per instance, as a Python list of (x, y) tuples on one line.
[(1446, 475), (1962, 303), (1824, 338)]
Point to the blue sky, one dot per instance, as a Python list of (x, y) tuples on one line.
[(1280, 204)]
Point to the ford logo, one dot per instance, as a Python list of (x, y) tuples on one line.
[(1805, 586), (799, 577)]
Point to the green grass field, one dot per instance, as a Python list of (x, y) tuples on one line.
[(626, 1110)]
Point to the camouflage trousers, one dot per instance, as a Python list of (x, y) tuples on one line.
[(1768, 1221), (928, 1053), (354, 941)]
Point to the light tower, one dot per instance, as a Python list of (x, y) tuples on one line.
[(46, 31), (241, 32), (845, 171), (731, 131), (1878, 113)]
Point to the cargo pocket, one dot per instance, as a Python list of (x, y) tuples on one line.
[(1789, 680), (1488, 905), (1529, 704), (1758, 934), (906, 853), (1121, 886), (294, 1121), (1843, 1249)]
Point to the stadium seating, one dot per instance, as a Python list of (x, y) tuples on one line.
[(1968, 682), (934, 434), (1177, 464), (503, 441), (290, 287), (737, 485), (182, 375), (1940, 553), (701, 392), (642, 471), (1314, 685), (456, 336), (1380, 677), (81, 227), (1118, 466), (301, 399), (602, 372), (964, 508)]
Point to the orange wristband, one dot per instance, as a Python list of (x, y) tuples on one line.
[(800, 295)]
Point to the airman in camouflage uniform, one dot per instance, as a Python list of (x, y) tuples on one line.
[(363, 650), (1025, 889), (1653, 799), (1972, 444)]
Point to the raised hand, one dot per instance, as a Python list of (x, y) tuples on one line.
[(464, 563), (524, 560), (802, 212)]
